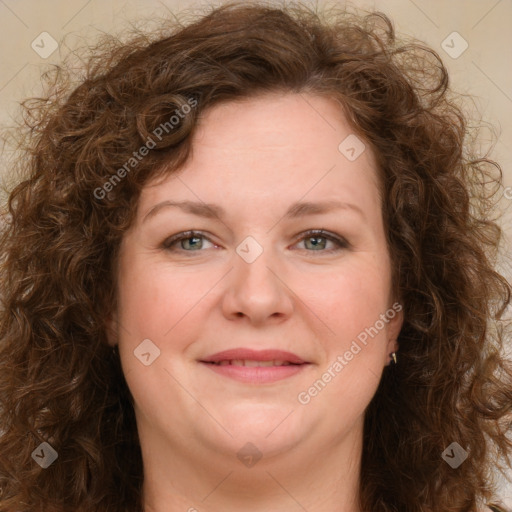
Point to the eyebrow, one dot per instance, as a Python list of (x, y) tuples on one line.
[(213, 211)]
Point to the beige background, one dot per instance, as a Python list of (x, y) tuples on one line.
[(483, 70)]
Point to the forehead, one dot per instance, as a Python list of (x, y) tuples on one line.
[(278, 147), (299, 120)]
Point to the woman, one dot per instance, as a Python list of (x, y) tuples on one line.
[(251, 267)]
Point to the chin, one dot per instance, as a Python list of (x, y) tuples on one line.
[(272, 428)]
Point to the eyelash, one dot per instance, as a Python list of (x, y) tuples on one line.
[(312, 233)]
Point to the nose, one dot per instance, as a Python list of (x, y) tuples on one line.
[(257, 291)]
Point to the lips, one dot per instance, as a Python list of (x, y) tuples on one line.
[(255, 367), (248, 357), (251, 363)]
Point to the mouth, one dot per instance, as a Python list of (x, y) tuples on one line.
[(251, 363), (257, 367)]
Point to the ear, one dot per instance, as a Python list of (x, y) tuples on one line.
[(111, 329), (394, 326)]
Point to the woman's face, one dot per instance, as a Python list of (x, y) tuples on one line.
[(255, 280)]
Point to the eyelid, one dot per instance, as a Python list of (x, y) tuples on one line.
[(340, 241), (183, 235)]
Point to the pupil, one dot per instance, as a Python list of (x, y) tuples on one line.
[(192, 238), (316, 238)]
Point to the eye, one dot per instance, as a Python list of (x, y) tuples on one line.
[(320, 239), (187, 236), (192, 241)]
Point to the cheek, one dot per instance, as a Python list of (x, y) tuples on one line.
[(352, 299), (153, 299), (351, 369), (158, 305)]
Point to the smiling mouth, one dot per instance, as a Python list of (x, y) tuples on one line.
[(250, 362), (250, 371)]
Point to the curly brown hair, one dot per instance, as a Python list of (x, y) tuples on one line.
[(60, 381)]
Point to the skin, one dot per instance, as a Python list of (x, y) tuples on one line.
[(255, 158)]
